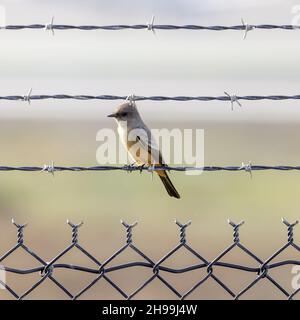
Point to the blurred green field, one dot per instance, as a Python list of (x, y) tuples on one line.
[(101, 199)]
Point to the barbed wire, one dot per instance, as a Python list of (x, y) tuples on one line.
[(102, 270), (166, 27), (151, 27), (248, 167), (130, 168), (227, 97)]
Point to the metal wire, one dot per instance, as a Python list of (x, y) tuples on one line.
[(151, 98), (146, 27), (102, 270), (130, 168)]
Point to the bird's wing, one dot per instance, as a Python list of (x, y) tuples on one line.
[(152, 147), (146, 142)]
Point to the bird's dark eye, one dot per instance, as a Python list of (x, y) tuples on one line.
[(124, 114)]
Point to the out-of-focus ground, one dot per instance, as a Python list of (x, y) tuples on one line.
[(101, 199)]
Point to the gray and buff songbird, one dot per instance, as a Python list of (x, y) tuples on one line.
[(139, 142)]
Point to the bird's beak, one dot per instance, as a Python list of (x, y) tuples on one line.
[(112, 115)]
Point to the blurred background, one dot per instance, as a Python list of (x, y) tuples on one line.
[(168, 63)]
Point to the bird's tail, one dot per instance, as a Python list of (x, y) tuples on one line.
[(168, 184)]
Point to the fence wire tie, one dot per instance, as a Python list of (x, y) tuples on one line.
[(47, 271), (233, 98), (263, 271), (27, 97), (49, 168), (247, 167), (150, 26), (247, 27), (49, 26)]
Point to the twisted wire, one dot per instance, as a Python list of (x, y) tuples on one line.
[(146, 27), (102, 270), (84, 97), (129, 168)]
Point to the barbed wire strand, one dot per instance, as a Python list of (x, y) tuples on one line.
[(227, 97), (159, 268), (130, 168), (166, 27)]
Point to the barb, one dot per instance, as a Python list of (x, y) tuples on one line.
[(132, 98), (102, 270), (27, 97), (247, 28), (151, 25), (50, 26), (245, 167), (166, 27), (233, 99), (49, 168)]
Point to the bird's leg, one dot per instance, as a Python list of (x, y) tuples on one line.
[(130, 167)]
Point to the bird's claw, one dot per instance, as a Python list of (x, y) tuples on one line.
[(141, 167), (130, 167)]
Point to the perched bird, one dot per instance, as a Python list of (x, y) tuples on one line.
[(139, 142)]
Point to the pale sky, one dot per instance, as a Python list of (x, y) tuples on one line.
[(168, 63)]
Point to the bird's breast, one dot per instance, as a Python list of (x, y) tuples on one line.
[(123, 133)]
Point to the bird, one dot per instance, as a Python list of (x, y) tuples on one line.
[(140, 143)]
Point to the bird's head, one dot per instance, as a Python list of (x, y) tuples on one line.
[(125, 112)]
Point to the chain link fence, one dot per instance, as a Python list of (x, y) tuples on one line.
[(103, 270)]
